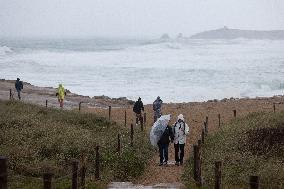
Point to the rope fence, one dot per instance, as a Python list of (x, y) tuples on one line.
[(253, 181), (48, 180)]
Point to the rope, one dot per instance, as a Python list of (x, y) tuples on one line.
[(64, 177), (23, 176)]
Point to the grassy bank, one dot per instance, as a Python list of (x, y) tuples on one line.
[(38, 139), (253, 145)]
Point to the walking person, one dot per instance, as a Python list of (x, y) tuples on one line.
[(163, 145), (137, 109), (180, 130), (19, 86), (157, 105), (60, 95)]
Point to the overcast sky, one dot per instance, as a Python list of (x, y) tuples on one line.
[(135, 17)]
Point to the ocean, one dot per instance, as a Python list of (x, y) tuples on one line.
[(177, 70)]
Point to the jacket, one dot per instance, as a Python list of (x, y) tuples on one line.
[(180, 130), (19, 85), (61, 92), (166, 136), (157, 105), (138, 106)]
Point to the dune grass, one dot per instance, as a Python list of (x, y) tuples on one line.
[(253, 145), (38, 139)]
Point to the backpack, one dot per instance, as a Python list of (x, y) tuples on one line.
[(174, 128), (21, 85), (155, 105)]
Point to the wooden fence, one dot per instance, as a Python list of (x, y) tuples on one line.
[(253, 180), (76, 172)]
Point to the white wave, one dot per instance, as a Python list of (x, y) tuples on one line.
[(178, 71)]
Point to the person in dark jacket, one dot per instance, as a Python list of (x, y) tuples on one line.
[(163, 145), (157, 106), (19, 86), (137, 109)]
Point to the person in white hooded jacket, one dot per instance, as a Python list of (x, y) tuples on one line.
[(180, 130)]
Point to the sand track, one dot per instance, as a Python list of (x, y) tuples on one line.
[(194, 113)]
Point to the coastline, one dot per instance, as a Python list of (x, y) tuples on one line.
[(38, 95)]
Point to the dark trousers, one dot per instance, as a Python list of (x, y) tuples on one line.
[(139, 118), (179, 156), (163, 149), (19, 94)]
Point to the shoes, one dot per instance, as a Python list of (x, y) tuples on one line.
[(160, 164), (177, 163), (181, 162), (165, 163)]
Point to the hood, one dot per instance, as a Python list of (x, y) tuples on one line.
[(180, 116)]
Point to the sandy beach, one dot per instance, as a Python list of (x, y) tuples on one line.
[(194, 113)]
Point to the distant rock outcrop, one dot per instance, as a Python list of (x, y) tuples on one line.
[(165, 36), (226, 33), (180, 36)]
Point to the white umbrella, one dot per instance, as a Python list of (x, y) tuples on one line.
[(158, 129)]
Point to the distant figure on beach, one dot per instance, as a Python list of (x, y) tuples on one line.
[(137, 109), (180, 130), (163, 145), (19, 86), (157, 105), (60, 95)]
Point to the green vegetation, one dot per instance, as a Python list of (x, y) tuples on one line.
[(253, 145), (38, 139)]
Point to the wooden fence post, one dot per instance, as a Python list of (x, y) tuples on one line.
[(197, 165), (205, 128), (235, 113), (47, 178), (202, 136), (131, 134), (80, 103), (97, 169), (118, 144), (46, 103), (195, 152), (109, 113), (75, 174), (141, 123), (218, 175), (206, 120), (254, 182), (3, 172), (10, 94), (125, 118), (274, 107), (199, 144), (219, 120), (83, 175)]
